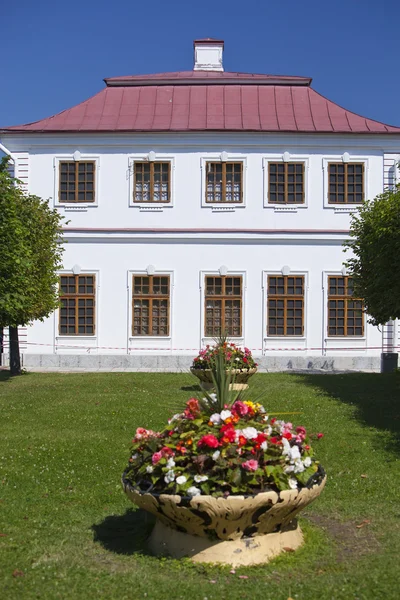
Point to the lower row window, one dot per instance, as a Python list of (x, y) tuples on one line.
[(223, 309)]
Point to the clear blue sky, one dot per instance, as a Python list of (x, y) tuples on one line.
[(55, 54)]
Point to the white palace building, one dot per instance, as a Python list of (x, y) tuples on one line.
[(202, 200)]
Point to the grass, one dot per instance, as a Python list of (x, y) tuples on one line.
[(68, 531)]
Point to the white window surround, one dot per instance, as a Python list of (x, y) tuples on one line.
[(80, 340), (222, 206), (356, 341), (216, 273), (338, 158), (294, 158), (150, 206), (75, 206), (299, 341), (150, 341)]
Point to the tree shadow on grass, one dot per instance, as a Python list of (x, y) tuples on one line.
[(376, 397), (5, 374), (125, 534)]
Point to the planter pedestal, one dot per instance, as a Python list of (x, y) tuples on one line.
[(241, 552)]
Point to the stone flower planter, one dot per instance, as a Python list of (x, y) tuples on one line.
[(239, 530), (241, 377)]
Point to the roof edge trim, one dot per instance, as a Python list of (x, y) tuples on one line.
[(303, 81)]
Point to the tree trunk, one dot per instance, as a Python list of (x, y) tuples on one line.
[(15, 360)]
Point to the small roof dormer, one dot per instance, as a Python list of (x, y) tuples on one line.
[(208, 54)]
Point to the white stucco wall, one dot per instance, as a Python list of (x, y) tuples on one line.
[(307, 239)]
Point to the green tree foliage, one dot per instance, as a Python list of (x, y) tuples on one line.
[(375, 242), (30, 255)]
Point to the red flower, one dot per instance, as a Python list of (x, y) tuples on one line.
[(242, 440), (320, 435), (273, 420), (229, 436), (301, 430), (208, 440), (274, 440), (167, 451), (287, 435)]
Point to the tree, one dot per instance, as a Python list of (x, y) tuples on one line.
[(375, 268), (30, 255)]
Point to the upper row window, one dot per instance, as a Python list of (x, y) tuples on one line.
[(224, 182)]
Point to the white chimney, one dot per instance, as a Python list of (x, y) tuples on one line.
[(208, 55)]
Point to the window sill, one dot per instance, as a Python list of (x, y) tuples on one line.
[(151, 338), (284, 208), (343, 209), (76, 207), (284, 338), (152, 207), (223, 208)]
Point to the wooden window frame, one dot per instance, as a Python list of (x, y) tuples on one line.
[(223, 297), (150, 297), (61, 162), (151, 192), (345, 183), (286, 297), (286, 202), (78, 296), (346, 298), (223, 201)]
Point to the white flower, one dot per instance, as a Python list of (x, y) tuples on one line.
[(149, 469), (250, 433), (174, 418), (298, 465), (169, 477), (216, 455), (264, 446), (200, 478), (135, 456), (170, 463), (193, 491), (261, 410), (289, 469), (307, 462), (292, 483), (268, 430), (225, 414), (215, 418), (286, 447), (181, 480), (294, 452), (237, 359)]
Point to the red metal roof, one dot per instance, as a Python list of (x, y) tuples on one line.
[(207, 101)]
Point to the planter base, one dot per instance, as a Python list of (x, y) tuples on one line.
[(242, 552)]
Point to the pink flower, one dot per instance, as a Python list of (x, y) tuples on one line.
[(250, 465), (240, 408), (208, 440), (301, 430), (140, 432), (156, 457)]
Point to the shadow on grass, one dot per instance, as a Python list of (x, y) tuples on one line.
[(191, 388), (125, 534), (376, 398), (5, 374)]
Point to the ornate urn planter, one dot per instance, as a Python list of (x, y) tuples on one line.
[(238, 530), (239, 376)]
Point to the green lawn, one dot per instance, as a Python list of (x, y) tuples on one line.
[(68, 531)]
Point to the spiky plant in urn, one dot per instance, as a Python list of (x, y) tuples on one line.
[(224, 480), (240, 364)]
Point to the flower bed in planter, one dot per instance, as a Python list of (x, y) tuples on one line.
[(223, 473)]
